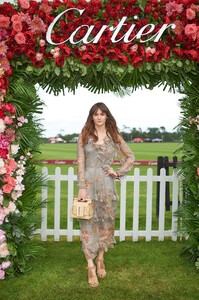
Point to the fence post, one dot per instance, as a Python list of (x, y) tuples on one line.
[(149, 204), (57, 204), (70, 201), (122, 209), (136, 197), (162, 205), (44, 214)]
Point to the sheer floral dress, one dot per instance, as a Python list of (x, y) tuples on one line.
[(98, 232)]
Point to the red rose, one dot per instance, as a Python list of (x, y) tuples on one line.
[(123, 60), (158, 56), (137, 61), (66, 51), (149, 57), (178, 52), (3, 153), (113, 54), (97, 59), (30, 54), (166, 53), (9, 108), (191, 54), (38, 64), (87, 59), (59, 60), (102, 50)]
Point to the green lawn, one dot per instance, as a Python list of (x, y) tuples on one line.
[(142, 151), (135, 271)]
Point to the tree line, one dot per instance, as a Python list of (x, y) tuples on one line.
[(131, 133)]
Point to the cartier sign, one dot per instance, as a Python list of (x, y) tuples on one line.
[(145, 34)]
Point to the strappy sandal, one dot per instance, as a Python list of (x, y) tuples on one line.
[(101, 272), (92, 277)]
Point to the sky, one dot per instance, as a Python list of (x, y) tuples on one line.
[(142, 109)]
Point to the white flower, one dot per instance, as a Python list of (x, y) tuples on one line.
[(11, 208), (2, 125), (1, 162), (14, 149)]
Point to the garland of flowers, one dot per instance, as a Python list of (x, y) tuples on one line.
[(26, 56)]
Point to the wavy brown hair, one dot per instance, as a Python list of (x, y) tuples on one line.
[(111, 125)]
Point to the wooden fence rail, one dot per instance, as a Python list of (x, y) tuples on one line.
[(135, 180)]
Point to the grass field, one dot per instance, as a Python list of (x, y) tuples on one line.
[(142, 151)]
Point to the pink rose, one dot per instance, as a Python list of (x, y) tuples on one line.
[(134, 48), (5, 264), (191, 30), (24, 4), (22, 119), (4, 21), (12, 164), (7, 188), (20, 38), (8, 120), (42, 43), (4, 250), (15, 18), (2, 274), (190, 14), (17, 26)]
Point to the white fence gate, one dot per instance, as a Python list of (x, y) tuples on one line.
[(122, 233)]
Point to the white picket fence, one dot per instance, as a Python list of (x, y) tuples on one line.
[(122, 233)]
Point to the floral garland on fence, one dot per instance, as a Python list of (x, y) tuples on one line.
[(23, 48)]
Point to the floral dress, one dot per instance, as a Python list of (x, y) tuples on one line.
[(98, 232)]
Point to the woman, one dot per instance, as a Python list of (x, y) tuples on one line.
[(98, 145)]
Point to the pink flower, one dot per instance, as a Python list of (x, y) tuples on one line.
[(39, 56), (20, 38), (190, 14), (12, 164), (2, 215), (191, 30), (4, 21), (14, 149), (42, 43), (5, 264), (4, 63), (4, 250), (134, 48), (179, 27), (37, 25), (15, 18), (8, 120), (7, 188), (22, 119), (24, 4), (11, 208), (150, 50), (172, 7), (2, 274), (3, 48), (198, 171), (17, 26), (2, 236)]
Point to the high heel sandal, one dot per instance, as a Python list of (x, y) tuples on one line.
[(92, 277), (101, 272)]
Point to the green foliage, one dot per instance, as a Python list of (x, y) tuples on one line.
[(189, 210)]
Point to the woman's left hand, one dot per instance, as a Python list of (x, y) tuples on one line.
[(110, 172)]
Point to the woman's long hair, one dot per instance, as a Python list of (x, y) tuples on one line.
[(89, 127)]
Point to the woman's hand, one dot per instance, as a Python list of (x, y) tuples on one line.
[(108, 171), (82, 194)]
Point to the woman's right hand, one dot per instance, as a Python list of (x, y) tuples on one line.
[(82, 194)]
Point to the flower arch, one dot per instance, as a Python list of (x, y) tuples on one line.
[(105, 46)]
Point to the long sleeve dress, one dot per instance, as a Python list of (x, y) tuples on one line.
[(98, 232)]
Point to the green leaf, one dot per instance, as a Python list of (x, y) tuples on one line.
[(57, 71)]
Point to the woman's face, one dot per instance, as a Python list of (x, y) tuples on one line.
[(99, 118)]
